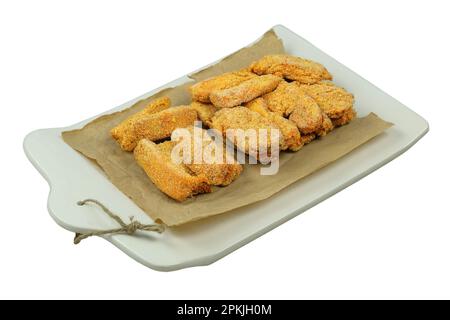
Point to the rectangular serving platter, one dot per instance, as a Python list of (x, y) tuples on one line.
[(72, 177)]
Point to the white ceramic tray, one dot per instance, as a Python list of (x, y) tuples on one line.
[(72, 177)]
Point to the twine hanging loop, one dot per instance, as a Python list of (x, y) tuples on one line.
[(125, 228)]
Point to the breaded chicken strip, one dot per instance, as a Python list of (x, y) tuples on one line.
[(291, 68), (258, 105), (289, 100), (244, 118), (201, 90), (244, 92), (333, 100), (345, 118), (220, 168), (174, 180), (289, 130), (205, 111), (327, 126), (126, 127), (154, 126), (284, 99), (308, 138), (307, 115)]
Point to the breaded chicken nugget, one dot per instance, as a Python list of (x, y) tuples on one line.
[(333, 100), (220, 168), (292, 68), (345, 118), (174, 180), (244, 92), (243, 118), (289, 130), (155, 126), (126, 127), (201, 90), (205, 111)]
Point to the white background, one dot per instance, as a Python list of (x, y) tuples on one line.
[(387, 236)]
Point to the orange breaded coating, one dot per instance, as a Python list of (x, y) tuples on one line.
[(217, 174), (174, 180), (307, 115), (219, 168), (289, 130), (201, 90), (292, 68), (333, 100), (205, 111), (244, 92), (284, 99), (308, 138), (244, 118), (258, 105), (345, 118), (289, 100), (155, 126), (126, 127), (327, 126)]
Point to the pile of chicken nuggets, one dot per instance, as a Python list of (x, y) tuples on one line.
[(283, 92)]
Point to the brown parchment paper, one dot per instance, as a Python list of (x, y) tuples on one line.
[(94, 141)]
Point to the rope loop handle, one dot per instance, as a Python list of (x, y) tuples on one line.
[(125, 228)]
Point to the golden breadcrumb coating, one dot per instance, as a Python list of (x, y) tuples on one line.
[(291, 68), (205, 111), (284, 99), (174, 180), (219, 170), (345, 118), (327, 126), (217, 174), (289, 130), (126, 126), (201, 90), (154, 106), (307, 115), (258, 105), (307, 138), (155, 126), (244, 92), (333, 100), (244, 118)]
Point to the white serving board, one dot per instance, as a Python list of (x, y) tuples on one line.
[(72, 177)]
